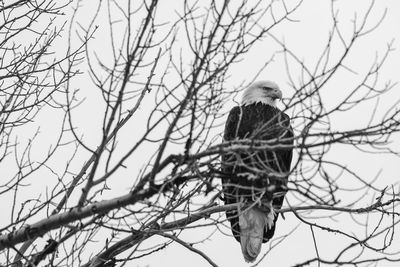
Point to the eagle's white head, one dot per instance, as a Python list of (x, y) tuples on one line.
[(265, 92)]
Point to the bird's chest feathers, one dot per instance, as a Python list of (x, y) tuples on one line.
[(256, 124)]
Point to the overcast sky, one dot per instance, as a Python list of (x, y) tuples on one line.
[(306, 37)]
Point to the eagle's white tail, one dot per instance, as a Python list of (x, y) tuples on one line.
[(252, 223)]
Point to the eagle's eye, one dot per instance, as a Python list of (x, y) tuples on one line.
[(266, 88)]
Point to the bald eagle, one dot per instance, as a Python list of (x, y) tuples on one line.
[(257, 177)]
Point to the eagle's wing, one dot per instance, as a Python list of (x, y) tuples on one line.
[(228, 165), (285, 159)]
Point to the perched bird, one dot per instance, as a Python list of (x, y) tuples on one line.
[(257, 177)]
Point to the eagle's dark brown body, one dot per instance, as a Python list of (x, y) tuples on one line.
[(257, 176)]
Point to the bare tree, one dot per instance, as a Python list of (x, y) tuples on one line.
[(147, 111)]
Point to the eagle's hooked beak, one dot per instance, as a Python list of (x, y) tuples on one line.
[(276, 94)]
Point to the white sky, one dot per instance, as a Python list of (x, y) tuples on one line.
[(306, 38)]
